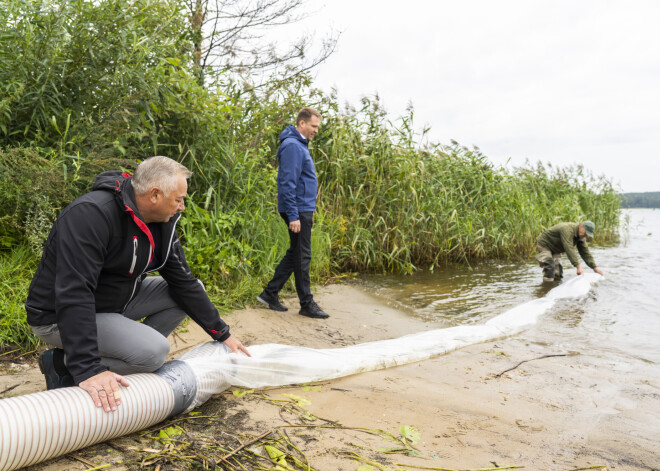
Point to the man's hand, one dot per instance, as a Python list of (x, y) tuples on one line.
[(104, 389), (235, 345), (579, 270), (294, 226), (599, 271)]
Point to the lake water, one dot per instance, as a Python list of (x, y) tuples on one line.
[(604, 401), (619, 320)]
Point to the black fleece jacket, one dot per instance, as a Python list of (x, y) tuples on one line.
[(95, 259)]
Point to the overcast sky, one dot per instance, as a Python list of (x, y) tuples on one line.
[(569, 82)]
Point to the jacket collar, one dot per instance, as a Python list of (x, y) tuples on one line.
[(126, 196)]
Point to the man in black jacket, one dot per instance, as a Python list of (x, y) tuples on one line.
[(91, 286)]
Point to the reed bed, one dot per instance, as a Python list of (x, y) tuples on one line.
[(388, 200)]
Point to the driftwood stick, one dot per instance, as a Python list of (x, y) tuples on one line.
[(9, 389), (525, 361), (224, 458)]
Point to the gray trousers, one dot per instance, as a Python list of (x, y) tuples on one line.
[(127, 346), (552, 268)]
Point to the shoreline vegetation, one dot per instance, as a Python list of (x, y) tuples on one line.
[(75, 101), (649, 199)]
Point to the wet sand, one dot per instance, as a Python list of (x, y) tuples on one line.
[(552, 413)]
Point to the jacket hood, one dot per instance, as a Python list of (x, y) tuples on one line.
[(291, 132), (119, 184), (112, 181)]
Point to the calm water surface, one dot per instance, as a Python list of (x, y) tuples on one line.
[(620, 319)]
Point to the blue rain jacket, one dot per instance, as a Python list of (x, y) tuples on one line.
[(296, 178)]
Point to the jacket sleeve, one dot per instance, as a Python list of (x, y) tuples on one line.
[(583, 248), (567, 242), (190, 295), (291, 158), (82, 237)]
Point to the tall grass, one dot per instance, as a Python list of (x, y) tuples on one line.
[(16, 268), (76, 100), (385, 203), (395, 206)]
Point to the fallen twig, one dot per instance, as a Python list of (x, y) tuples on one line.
[(254, 440), (103, 466), (175, 337), (525, 361), (451, 469), (588, 467), (373, 431), (82, 460), (9, 388), (286, 438), (364, 459), (91, 465), (499, 467), (10, 351), (230, 392), (27, 353)]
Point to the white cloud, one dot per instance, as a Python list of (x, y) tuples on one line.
[(562, 81)]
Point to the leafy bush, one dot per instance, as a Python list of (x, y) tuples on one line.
[(16, 269), (93, 86), (32, 190)]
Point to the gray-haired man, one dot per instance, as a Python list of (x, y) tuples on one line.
[(91, 287)]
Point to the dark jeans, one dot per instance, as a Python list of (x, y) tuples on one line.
[(296, 260)]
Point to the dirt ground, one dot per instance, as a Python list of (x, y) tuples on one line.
[(566, 412)]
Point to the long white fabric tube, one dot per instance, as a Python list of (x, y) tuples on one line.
[(216, 369), (39, 426)]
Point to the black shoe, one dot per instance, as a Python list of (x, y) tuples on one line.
[(54, 380), (313, 310), (271, 301)]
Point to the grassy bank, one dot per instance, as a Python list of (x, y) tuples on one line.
[(75, 100)]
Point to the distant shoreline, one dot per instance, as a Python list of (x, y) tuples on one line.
[(650, 199)]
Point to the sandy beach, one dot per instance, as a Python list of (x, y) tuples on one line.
[(566, 412)]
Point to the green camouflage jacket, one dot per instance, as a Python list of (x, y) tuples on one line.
[(563, 237)]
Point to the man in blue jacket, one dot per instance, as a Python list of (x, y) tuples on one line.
[(296, 202), (91, 286)]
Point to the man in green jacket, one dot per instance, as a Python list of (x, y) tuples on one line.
[(560, 238)]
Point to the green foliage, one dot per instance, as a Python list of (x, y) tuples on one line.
[(650, 199), (32, 189), (99, 79), (395, 206), (170, 434), (16, 270), (409, 434), (93, 86)]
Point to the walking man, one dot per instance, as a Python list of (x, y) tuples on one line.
[(560, 238), (91, 286), (296, 203)]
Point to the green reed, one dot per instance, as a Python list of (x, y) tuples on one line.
[(387, 200), (397, 206)]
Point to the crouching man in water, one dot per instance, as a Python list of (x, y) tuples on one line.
[(560, 238), (91, 287)]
